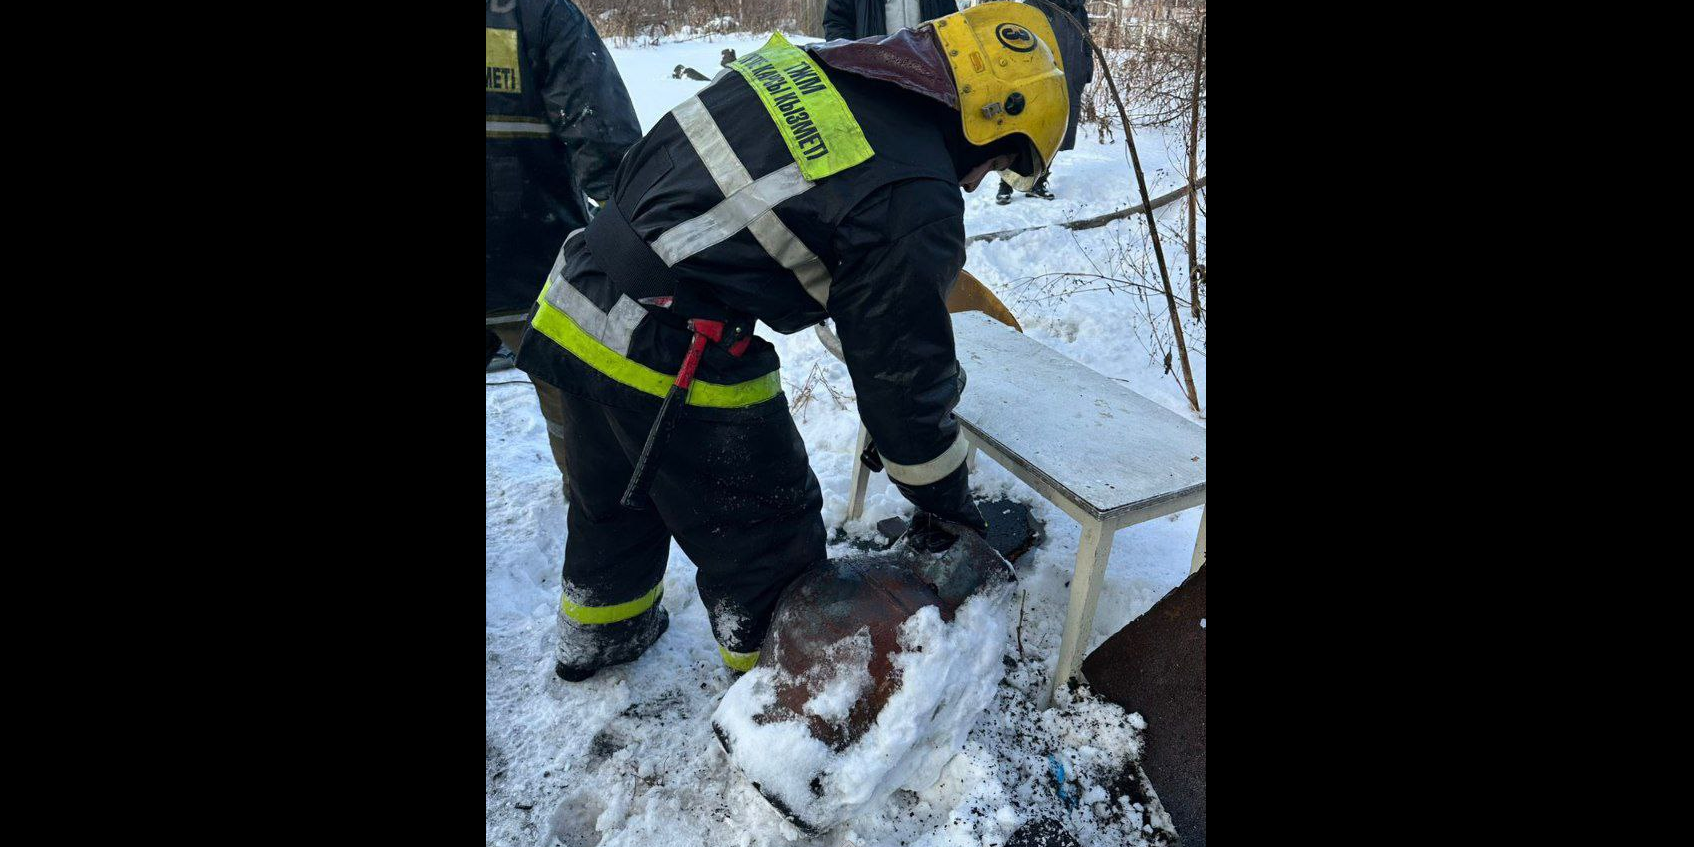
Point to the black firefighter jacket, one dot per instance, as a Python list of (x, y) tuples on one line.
[(716, 193), (1074, 52), (854, 19), (558, 122)]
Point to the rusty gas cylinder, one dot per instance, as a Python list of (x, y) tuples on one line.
[(844, 619)]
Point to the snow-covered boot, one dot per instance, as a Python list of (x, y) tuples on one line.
[(1003, 194), (586, 648), (1039, 189)]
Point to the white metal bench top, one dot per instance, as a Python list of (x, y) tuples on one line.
[(1102, 446), (1107, 456)]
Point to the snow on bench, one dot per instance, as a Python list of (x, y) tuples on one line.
[(1102, 453)]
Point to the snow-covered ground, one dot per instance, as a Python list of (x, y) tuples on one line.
[(628, 758)]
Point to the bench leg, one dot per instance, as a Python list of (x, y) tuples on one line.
[(1091, 558), (1200, 544), (970, 459), (861, 478)]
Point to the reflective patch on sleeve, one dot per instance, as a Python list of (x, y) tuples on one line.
[(516, 126), (935, 469), (501, 74)]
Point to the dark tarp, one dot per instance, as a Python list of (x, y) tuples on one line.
[(1157, 666)]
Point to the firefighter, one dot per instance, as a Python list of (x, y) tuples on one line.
[(855, 19), (1075, 55), (558, 122), (802, 184)]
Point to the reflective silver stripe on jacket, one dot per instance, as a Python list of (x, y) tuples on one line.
[(935, 469), (501, 126), (741, 209), (613, 329)]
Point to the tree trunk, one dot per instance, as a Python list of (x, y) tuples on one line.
[(1194, 170), (811, 18), (1147, 206), (1152, 225)]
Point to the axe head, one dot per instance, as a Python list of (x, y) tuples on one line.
[(970, 295)]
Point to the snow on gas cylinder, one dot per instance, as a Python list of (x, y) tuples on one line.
[(875, 668)]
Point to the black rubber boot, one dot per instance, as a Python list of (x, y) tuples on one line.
[(1003, 194), (625, 640), (1039, 189)]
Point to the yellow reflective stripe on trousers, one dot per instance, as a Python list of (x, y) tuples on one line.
[(743, 662), (611, 614), (558, 326)]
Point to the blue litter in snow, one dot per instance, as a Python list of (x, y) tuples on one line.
[(1058, 770)]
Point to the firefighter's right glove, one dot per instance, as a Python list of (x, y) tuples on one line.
[(870, 458)]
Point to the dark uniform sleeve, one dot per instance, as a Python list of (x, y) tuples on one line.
[(585, 98), (1079, 10), (838, 20), (903, 247)]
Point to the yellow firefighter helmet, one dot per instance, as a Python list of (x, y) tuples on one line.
[(1010, 77)]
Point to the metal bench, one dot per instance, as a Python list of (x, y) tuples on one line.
[(1107, 456)]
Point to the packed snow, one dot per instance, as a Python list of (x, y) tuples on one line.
[(949, 673), (852, 679), (629, 758)]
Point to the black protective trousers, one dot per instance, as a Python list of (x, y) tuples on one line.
[(735, 491)]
